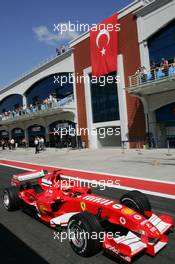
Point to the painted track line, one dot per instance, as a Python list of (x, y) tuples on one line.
[(88, 171), (161, 189)]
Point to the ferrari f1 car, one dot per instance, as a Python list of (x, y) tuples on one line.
[(134, 228)]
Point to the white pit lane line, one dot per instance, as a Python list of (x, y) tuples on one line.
[(158, 194), (88, 171)]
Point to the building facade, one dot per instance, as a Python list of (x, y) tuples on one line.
[(156, 38), (140, 106), (26, 109)]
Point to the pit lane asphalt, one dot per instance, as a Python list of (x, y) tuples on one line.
[(26, 240)]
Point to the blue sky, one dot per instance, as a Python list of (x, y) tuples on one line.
[(26, 29)]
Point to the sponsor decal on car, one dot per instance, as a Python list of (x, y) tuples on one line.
[(122, 220), (137, 217), (42, 209), (98, 200), (117, 206), (83, 206), (127, 211)]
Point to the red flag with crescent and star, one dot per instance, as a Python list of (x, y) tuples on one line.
[(104, 46)]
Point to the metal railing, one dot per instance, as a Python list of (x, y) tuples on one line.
[(38, 109), (152, 75), (148, 2)]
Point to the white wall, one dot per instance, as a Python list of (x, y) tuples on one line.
[(65, 65)]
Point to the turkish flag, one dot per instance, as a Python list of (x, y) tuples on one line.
[(104, 46)]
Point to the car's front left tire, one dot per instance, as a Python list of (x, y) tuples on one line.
[(84, 232), (10, 198)]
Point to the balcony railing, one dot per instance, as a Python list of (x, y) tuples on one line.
[(148, 2), (153, 75), (38, 109)]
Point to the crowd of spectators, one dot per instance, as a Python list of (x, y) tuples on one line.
[(60, 50), (11, 144), (50, 102), (156, 72)]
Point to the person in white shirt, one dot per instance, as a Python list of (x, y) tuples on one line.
[(36, 143), (42, 143), (12, 142)]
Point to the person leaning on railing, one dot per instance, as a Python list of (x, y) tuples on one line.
[(173, 64), (155, 73), (164, 66), (141, 74), (144, 74)]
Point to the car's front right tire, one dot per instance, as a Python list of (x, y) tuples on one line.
[(137, 201), (10, 198)]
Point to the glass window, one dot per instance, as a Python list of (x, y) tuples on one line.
[(162, 44), (166, 113), (104, 100), (10, 103), (41, 90)]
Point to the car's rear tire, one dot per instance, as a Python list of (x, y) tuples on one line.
[(85, 232), (11, 200), (137, 201)]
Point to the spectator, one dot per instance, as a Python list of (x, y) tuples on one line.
[(144, 74), (24, 143), (12, 142), (79, 142), (173, 64), (58, 51), (9, 144), (54, 101), (63, 49), (50, 100), (153, 70), (165, 66), (36, 143), (3, 144), (138, 71), (42, 143)]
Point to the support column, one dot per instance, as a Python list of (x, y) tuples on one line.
[(143, 45), (75, 98), (92, 137), (144, 54), (145, 107), (26, 133), (122, 102), (24, 100), (151, 117), (47, 139), (47, 133), (26, 136), (10, 133)]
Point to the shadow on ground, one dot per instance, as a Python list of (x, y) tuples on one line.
[(13, 250)]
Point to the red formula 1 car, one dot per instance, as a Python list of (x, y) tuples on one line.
[(128, 227)]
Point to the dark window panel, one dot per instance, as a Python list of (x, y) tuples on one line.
[(104, 99)]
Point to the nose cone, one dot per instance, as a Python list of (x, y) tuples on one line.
[(151, 230)]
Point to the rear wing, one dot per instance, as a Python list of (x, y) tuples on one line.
[(27, 176)]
